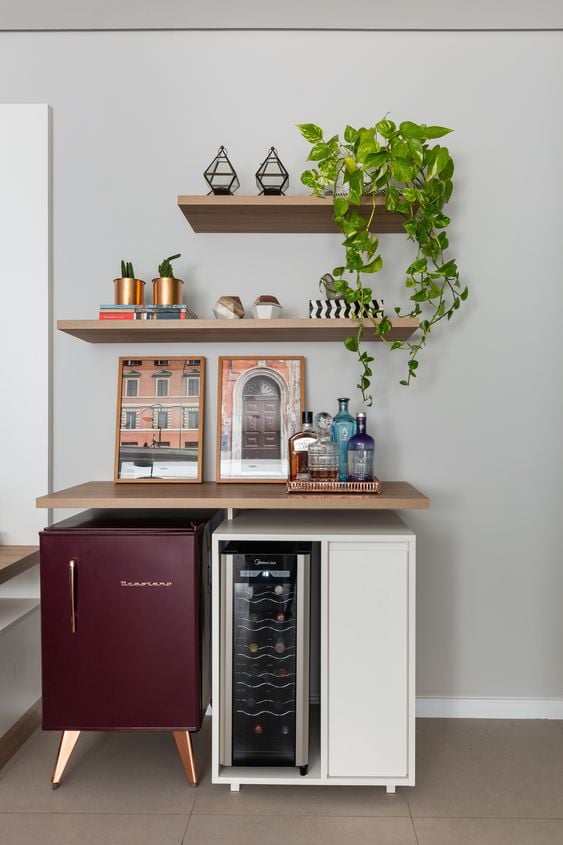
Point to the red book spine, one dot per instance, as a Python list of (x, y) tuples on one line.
[(116, 315)]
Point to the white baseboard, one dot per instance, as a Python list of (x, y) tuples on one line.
[(490, 708)]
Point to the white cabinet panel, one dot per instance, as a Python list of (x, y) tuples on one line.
[(368, 659)]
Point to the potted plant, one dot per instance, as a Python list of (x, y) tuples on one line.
[(167, 289), (415, 178), (127, 289)]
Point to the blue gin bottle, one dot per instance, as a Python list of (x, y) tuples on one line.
[(343, 427)]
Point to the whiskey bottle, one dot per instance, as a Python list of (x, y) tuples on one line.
[(361, 449), (299, 447)]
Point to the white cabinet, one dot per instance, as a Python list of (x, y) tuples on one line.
[(368, 659), (363, 612)]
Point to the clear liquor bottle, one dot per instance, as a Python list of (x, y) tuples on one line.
[(361, 451), (299, 448), (343, 427), (323, 455)]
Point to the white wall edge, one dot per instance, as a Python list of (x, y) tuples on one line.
[(489, 708)]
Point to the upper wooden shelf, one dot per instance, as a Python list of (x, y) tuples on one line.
[(395, 495), (282, 215), (225, 331), (16, 559)]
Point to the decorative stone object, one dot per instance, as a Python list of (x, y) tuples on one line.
[(228, 308), (266, 307), (327, 282)]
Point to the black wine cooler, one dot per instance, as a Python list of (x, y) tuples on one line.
[(265, 654)]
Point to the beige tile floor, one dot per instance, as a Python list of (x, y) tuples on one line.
[(479, 782)]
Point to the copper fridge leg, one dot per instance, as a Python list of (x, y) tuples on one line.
[(66, 747), (184, 743)]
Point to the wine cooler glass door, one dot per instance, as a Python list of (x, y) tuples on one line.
[(267, 677)]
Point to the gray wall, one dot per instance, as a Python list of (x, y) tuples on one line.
[(137, 117)]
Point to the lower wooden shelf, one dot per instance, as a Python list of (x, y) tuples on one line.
[(16, 559), (12, 610), (395, 495)]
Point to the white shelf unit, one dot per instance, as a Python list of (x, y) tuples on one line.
[(365, 734), (12, 610), (20, 678)]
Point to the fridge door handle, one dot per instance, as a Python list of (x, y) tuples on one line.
[(72, 590)]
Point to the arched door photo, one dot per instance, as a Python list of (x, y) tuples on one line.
[(261, 419), (259, 408)]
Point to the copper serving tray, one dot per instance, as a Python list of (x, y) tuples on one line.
[(334, 486)]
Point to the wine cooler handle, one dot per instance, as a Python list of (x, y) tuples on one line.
[(72, 586)]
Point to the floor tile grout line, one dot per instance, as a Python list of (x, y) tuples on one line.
[(84, 813), (320, 815), (490, 818), (412, 821), (183, 839), (323, 815)]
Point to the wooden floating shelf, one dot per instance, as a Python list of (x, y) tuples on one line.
[(16, 559), (395, 495), (226, 331), (278, 215)]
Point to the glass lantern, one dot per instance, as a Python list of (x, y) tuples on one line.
[(221, 175), (271, 177)]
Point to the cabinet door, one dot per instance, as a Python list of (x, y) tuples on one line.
[(132, 658), (368, 659)]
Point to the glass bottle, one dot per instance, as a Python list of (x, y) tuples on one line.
[(343, 427), (323, 455), (299, 446), (361, 448)]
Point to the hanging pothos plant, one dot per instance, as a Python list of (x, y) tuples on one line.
[(416, 181)]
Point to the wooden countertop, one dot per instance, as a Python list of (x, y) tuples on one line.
[(395, 495)]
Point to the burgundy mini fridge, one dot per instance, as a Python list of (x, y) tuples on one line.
[(125, 624)]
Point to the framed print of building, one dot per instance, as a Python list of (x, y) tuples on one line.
[(159, 433), (259, 408)]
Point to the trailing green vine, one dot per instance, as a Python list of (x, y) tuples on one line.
[(416, 181)]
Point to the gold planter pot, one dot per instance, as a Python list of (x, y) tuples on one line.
[(167, 291), (128, 291)]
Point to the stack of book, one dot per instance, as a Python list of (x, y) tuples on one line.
[(146, 312)]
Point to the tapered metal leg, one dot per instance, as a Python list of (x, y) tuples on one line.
[(184, 743), (66, 747)]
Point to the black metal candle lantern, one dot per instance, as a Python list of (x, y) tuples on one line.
[(221, 175), (271, 177)]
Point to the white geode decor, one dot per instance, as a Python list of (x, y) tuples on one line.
[(266, 308)]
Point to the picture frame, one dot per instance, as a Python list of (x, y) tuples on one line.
[(159, 422), (259, 403)]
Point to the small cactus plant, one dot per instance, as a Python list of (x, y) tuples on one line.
[(127, 271), (165, 269)]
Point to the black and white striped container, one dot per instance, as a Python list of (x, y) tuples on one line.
[(321, 309)]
